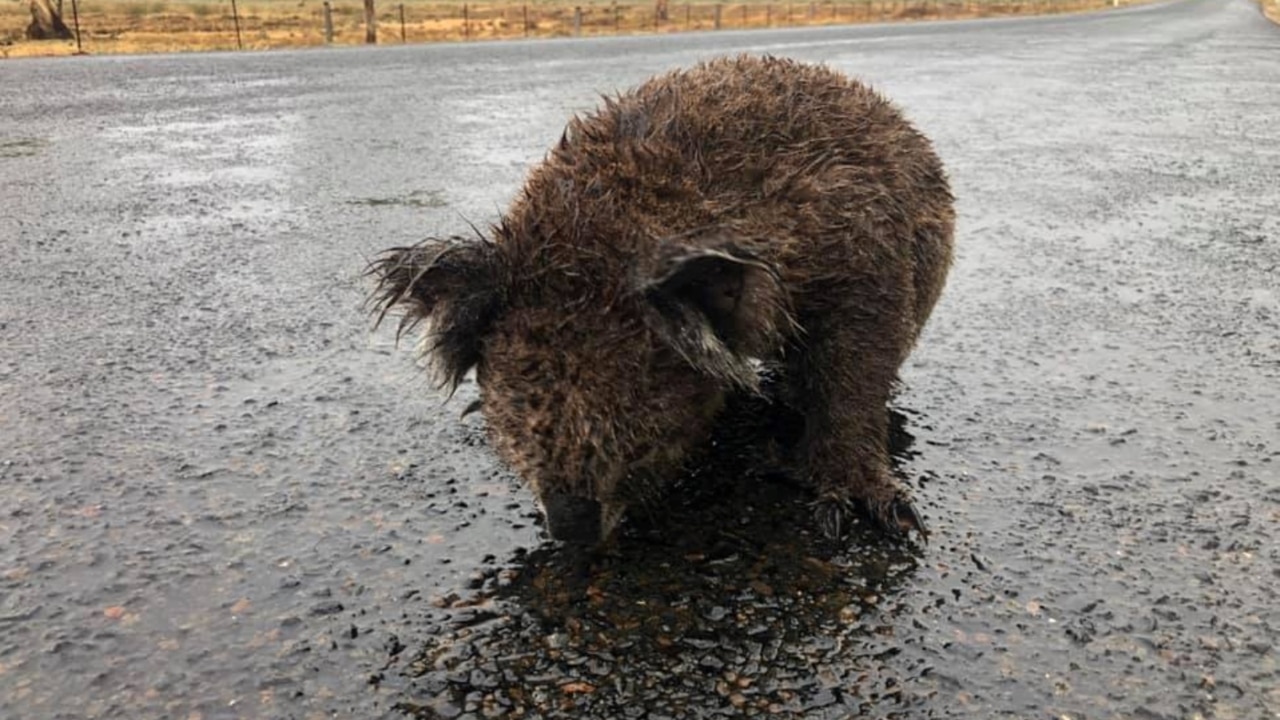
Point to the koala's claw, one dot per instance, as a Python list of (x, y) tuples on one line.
[(898, 518), (832, 514)]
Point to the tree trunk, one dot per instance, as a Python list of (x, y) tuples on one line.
[(46, 22)]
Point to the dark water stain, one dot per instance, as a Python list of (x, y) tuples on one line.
[(22, 147), (415, 199), (722, 599)]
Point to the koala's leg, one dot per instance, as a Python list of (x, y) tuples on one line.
[(842, 379)]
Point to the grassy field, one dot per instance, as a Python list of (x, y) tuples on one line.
[(139, 26)]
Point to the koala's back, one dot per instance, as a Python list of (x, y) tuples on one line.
[(811, 169)]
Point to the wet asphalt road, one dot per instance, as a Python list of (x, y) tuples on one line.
[(221, 497)]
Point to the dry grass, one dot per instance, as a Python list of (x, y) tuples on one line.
[(141, 26), (1271, 8)]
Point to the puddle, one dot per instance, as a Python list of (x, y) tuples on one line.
[(722, 599)]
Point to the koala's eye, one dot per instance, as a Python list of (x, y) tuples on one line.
[(525, 401)]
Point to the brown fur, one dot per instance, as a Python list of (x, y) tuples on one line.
[(745, 209)]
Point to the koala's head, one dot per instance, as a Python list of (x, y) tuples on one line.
[(596, 378)]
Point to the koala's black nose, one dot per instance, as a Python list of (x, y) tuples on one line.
[(573, 519)]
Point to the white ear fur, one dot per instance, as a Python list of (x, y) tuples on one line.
[(719, 307)]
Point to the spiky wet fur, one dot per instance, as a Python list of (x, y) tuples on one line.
[(748, 208)]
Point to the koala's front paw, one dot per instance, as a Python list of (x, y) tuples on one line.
[(833, 514), (895, 516)]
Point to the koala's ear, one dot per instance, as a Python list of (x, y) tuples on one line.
[(453, 285), (719, 305)]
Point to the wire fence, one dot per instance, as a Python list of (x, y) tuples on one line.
[(118, 25)]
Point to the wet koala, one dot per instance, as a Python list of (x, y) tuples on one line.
[(745, 212)]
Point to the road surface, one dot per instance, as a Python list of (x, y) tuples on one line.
[(221, 496)]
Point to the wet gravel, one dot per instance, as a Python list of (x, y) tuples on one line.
[(221, 497)]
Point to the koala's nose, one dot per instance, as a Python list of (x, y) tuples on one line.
[(573, 519)]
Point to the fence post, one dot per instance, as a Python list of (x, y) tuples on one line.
[(235, 16), (768, 15), (402, 39), (526, 20), (466, 22), (617, 18), (577, 21), (688, 15), (328, 23), (718, 8), (370, 23), (75, 14)]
